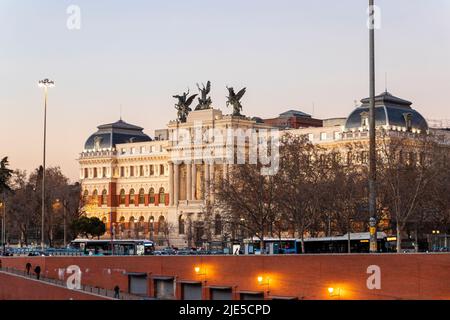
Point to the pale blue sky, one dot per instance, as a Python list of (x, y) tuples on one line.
[(288, 54)]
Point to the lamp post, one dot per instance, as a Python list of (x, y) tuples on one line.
[(372, 133), (3, 207), (65, 223), (46, 83)]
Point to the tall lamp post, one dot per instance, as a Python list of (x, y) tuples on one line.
[(372, 133), (3, 207), (46, 83)]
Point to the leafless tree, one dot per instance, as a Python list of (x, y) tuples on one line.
[(247, 200), (407, 169)]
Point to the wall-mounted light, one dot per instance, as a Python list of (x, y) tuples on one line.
[(263, 281), (198, 271), (334, 292)]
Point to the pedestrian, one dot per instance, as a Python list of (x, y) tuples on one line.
[(28, 267), (37, 270), (116, 292)]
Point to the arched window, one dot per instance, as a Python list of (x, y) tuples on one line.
[(121, 226), (95, 197), (132, 223), (161, 224), (141, 196), (85, 196), (141, 227), (131, 196), (180, 225), (151, 195), (217, 225), (122, 196), (162, 196), (104, 197), (151, 222)]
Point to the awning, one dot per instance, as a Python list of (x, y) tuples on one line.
[(163, 277), (220, 287), (137, 274), (251, 292), (283, 298)]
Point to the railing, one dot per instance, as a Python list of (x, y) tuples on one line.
[(85, 288)]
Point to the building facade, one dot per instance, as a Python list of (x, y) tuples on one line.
[(141, 189)]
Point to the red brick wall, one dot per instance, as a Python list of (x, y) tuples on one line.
[(403, 276), (18, 288)]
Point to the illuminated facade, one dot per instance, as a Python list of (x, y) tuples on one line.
[(133, 181)]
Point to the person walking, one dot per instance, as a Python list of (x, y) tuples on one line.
[(116, 292), (37, 270), (28, 267)]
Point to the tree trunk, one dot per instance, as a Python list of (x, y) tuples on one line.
[(349, 249), (399, 239), (302, 238)]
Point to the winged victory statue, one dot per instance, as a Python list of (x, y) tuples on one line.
[(204, 102), (183, 105), (234, 100)]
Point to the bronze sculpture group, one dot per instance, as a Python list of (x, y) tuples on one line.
[(204, 101)]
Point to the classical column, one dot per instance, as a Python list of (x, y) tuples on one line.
[(206, 181), (194, 181), (211, 181), (170, 184), (189, 181), (176, 183), (225, 171)]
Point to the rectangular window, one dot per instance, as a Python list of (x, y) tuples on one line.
[(133, 150), (336, 135), (141, 171), (104, 172), (152, 170), (122, 171), (161, 169), (142, 149), (323, 136), (86, 173), (131, 171), (310, 137), (95, 172), (123, 151)]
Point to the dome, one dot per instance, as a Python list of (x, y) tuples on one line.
[(390, 111), (108, 135)]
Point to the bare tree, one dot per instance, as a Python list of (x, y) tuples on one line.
[(304, 169), (247, 200), (407, 168)]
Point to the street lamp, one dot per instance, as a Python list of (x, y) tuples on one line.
[(372, 133), (3, 207), (46, 83)]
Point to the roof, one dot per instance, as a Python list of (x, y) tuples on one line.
[(389, 111), (108, 135), (353, 236), (294, 113)]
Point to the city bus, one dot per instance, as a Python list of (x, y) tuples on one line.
[(114, 247), (359, 243)]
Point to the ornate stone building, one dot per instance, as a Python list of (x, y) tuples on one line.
[(141, 187)]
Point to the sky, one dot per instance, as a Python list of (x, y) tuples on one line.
[(290, 54)]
